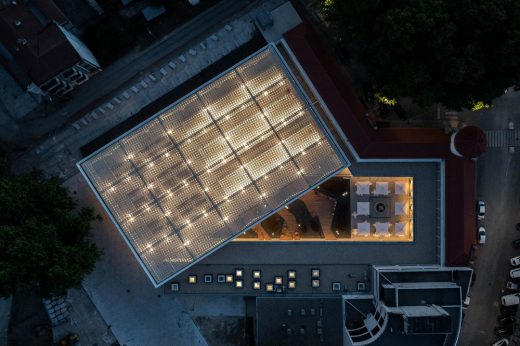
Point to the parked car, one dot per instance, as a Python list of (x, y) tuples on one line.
[(481, 235), (508, 310), (510, 299), (481, 210), (504, 320), (501, 342), (465, 305), (503, 331), (511, 285), (514, 273), (515, 261), (516, 243)]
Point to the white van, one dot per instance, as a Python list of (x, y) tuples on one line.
[(510, 299), (514, 273)]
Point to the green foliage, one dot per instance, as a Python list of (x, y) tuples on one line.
[(453, 52), (44, 239)]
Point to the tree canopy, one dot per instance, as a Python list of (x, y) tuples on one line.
[(453, 52), (44, 238)]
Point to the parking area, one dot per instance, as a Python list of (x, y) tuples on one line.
[(498, 185)]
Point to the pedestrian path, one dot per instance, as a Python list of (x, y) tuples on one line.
[(503, 138)]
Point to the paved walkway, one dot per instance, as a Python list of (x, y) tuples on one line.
[(5, 313), (138, 313)]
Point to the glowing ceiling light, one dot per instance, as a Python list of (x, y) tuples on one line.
[(266, 93), (186, 243), (167, 213), (303, 152), (188, 162), (170, 132), (151, 164), (225, 218), (167, 155), (206, 189)]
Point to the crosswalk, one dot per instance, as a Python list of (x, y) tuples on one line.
[(503, 138)]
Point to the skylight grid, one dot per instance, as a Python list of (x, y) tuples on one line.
[(212, 165)]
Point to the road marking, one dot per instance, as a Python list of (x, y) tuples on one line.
[(503, 138)]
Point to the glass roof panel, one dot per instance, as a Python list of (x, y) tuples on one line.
[(202, 171)]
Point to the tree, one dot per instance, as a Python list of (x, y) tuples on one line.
[(453, 52), (44, 238)]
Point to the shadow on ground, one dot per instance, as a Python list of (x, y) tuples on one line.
[(222, 331), (29, 323)]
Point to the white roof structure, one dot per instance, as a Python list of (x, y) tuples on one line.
[(400, 188), (381, 188), (400, 229), (363, 208), (363, 188), (382, 229), (363, 228), (212, 165), (400, 208)]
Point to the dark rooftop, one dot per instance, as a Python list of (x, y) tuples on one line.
[(33, 41), (299, 321)]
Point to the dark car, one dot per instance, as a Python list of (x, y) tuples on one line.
[(506, 320), (516, 243), (503, 331), (509, 310)]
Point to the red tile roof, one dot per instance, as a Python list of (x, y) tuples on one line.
[(336, 91), (41, 50)]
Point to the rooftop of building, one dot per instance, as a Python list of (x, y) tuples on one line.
[(32, 41), (213, 164)]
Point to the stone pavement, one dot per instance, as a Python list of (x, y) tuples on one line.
[(138, 313)]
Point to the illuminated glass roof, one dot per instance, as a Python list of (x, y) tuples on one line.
[(208, 167)]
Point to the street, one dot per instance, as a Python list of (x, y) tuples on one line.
[(498, 184)]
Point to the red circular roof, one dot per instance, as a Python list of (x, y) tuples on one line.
[(470, 142)]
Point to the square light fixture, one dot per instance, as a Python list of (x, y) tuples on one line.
[(315, 283), (291, 284), (278, 280), (239, 273), (315, 273), (269, 287), (229, 278), (257, 274), (175, 286), (336, 286), (208, 278), (192, 279), (256, 285), (291, 274), (239, 283), (221, 278)]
